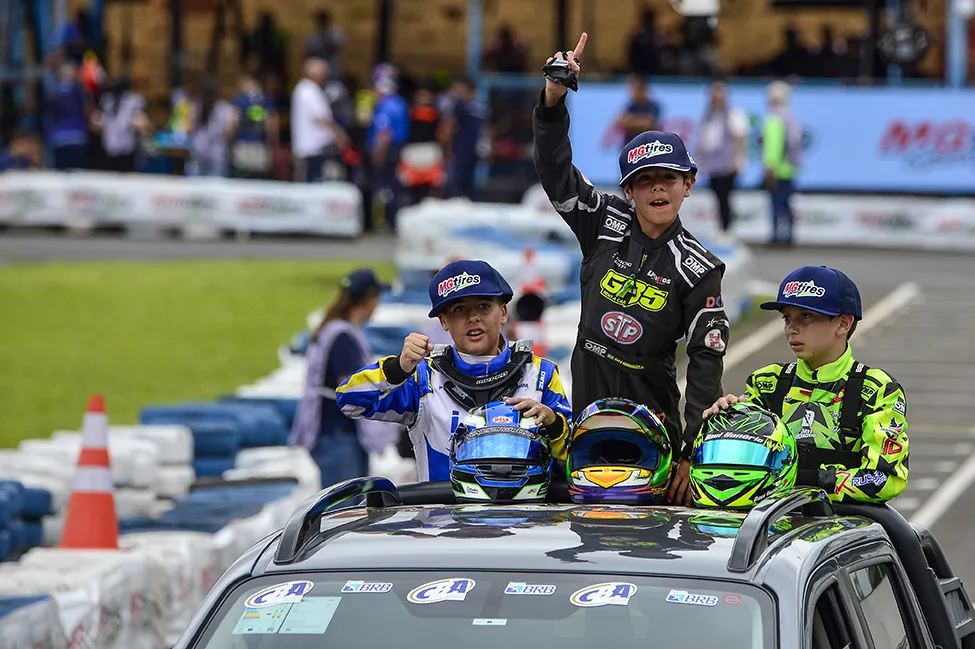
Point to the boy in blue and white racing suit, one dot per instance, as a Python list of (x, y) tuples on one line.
[(431, 388)]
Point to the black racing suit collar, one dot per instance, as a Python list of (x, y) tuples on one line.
[(648, 243)]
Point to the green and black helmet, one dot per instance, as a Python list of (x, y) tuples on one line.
[(741, 456)]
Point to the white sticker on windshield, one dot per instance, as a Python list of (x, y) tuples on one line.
[(521, 588), (261, 620), (488, 622), (442, 590), (366, 587), (287, 593), (616, 593), (683, 597), (311, 616)]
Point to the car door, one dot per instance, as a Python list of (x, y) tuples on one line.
[(829, 622), (882, 601)]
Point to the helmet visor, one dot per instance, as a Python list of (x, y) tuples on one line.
[(738, 452), (614, 447), (505, 443)]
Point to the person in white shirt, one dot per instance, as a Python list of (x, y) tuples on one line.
[(316, 138), (721, 149)]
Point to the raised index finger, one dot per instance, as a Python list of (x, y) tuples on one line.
[(577, 52)]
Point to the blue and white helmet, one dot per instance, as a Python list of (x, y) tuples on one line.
[(496, 455)]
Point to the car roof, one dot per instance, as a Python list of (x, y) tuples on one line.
[(559, 537)]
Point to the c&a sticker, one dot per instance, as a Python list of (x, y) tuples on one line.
[(289, 592), (616, 593), (683, 597), (366, 587), (443, 590)]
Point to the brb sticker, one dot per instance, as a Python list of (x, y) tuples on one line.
[(683, 597), (620, 327), (366, 587), (520, 588), (443, 590), (615, 593), (289, 592)]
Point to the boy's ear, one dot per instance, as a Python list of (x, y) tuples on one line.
[(628, 191), (504, 313), (443, 321), (845, 322)]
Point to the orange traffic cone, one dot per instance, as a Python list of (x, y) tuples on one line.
[(91, 522)]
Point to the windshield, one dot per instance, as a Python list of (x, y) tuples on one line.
[(489, 610)]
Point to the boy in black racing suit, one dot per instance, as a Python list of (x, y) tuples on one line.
[(646, 282)]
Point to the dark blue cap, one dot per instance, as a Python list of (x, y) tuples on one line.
[(362, 282), (654, 149), (819, 289), (466, 278)]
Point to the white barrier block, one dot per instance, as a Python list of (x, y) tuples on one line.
[(174, 443), (174, 481), (131, 592), (34, 626), (190, 566)]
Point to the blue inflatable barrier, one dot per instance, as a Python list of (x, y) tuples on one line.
[(10, 604), (286, 407), (212, 467), (36, 503)]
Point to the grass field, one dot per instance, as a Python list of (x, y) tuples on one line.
[(142, 333)]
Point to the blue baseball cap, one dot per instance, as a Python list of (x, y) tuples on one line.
[(362, 282), (466, 278), (654, 149), (820, 289)]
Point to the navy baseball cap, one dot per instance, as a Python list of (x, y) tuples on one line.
[(466, 278), (362, 282), (654, 149), (820, 289)]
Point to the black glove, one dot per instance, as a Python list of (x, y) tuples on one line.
[(558, 71)]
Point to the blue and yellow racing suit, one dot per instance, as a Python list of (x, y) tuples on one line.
[(424, 402)]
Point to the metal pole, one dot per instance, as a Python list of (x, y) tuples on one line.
[(176, 54), (475, 36), (956, 37), (894, 72)]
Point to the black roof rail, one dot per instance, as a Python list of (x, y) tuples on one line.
[(752, 539), (379, 492)]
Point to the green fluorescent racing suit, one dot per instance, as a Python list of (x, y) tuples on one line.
[(865, 461)]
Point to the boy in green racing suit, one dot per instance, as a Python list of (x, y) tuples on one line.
[(850, 420)]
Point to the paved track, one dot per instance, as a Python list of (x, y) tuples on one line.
[(927, 345)]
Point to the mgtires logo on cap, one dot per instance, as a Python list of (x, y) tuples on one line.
[(457, 283), (650, 150)]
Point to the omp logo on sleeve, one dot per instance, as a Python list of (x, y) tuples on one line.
[(287, 593), (608, 594), (646, 296), (694, 266), (803, 289), (443, 590), (457, 283), (620, 327), (615, 225), (650, 150)]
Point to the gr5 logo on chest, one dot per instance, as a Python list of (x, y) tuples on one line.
[(646, 296), (442, 590), (621, 327)]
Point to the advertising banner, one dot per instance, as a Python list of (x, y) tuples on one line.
[(919, 140)]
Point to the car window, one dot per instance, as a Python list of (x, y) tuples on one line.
[(831, 626), (874, 587), (487, 610)]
